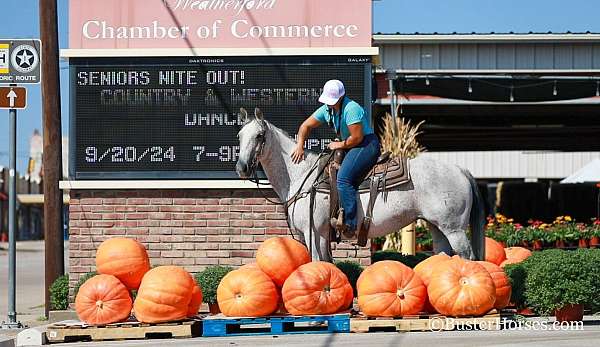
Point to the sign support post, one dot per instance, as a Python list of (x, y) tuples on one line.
[(12, 232)]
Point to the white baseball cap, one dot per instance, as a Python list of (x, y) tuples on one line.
[(332, 92)]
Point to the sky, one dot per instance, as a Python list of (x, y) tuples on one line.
[(390, 16)]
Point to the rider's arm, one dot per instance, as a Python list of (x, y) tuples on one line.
[(310, 123), (355, 138)]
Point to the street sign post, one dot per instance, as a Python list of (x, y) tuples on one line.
[(13, 97), (20, 61)]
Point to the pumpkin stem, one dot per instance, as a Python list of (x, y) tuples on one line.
[(99, 303), (327, 289), (400, 294)]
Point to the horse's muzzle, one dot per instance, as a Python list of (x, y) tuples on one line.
[(242, 169)]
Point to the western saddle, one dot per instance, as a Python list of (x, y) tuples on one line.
[(388, 173)]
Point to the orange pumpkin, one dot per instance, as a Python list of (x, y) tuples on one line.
[(424, 270), (501, 282), (494, 252), (249, 266), (348, 303), (515, 255), (195, 301), (278, 257), (461, 287), (316, 288), (164, 295), (103, 299), (247, 293), (390, 289), (123, 258)]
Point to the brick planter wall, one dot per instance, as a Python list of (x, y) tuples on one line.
[(191, 228)]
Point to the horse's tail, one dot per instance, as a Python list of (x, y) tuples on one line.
[(477, 219)]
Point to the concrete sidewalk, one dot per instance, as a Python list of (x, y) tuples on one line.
[(589, 337), (30, 281), (25, 246)]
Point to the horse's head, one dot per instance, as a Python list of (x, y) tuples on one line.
[(252, 140)]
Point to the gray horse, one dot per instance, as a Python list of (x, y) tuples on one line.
[(446, 196)]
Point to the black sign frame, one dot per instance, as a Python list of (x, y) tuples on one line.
[(75, 173)]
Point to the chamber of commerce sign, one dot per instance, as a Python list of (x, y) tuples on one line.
[(179, 117), (106, 24)]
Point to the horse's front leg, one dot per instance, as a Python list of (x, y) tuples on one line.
[(316, 238)]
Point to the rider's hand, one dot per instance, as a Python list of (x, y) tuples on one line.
[(333, 145), (298, 154)]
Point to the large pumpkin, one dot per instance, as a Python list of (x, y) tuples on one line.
[(424, 270), (103, 299), (494, 252), (316, 288), (247, 293), (123, 258), (164, 295), (195, 301), (501, 282), (390, 289), (278, 257), (515, 255), (461, 288)]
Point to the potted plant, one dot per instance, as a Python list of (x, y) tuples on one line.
[(209, 280), (584, 235), (595, 233), (561, 283), (565, 232)]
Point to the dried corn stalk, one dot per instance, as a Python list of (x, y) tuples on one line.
[(399, 138)]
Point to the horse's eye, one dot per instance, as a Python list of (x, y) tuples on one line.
[(260, 136)]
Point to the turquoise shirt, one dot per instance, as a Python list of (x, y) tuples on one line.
[(352, 113)]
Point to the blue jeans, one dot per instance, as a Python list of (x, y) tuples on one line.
[(357, 163)]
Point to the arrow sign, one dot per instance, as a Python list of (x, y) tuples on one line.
[(13, 97)]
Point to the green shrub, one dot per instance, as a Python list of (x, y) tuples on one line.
[(82, 280), (408, 260), (517, 274), (352, 270), (209, 280), (59, 293), (556, 278)]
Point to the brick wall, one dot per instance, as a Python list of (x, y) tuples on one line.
[(191, 228)]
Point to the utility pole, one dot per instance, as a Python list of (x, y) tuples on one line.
[(52, 160)]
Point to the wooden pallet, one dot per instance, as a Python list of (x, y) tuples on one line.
[(72, 332), (275, 325), (435, 322)]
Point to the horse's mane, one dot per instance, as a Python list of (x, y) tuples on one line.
[(285, 133)]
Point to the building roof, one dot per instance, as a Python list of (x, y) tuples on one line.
[(435, 37)]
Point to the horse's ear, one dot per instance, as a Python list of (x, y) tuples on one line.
[(258, 114), (243, 114)]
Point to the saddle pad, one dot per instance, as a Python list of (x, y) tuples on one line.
[(395, 170)]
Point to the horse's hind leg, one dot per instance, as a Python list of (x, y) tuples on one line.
[(460, 243), (440, 242)]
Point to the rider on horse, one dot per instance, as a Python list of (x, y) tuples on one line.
[(355, 136)]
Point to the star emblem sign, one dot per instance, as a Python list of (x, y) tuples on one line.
[(24, 58)]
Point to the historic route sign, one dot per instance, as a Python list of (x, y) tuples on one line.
[(13, 97), (20, 61), (178, 117)]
